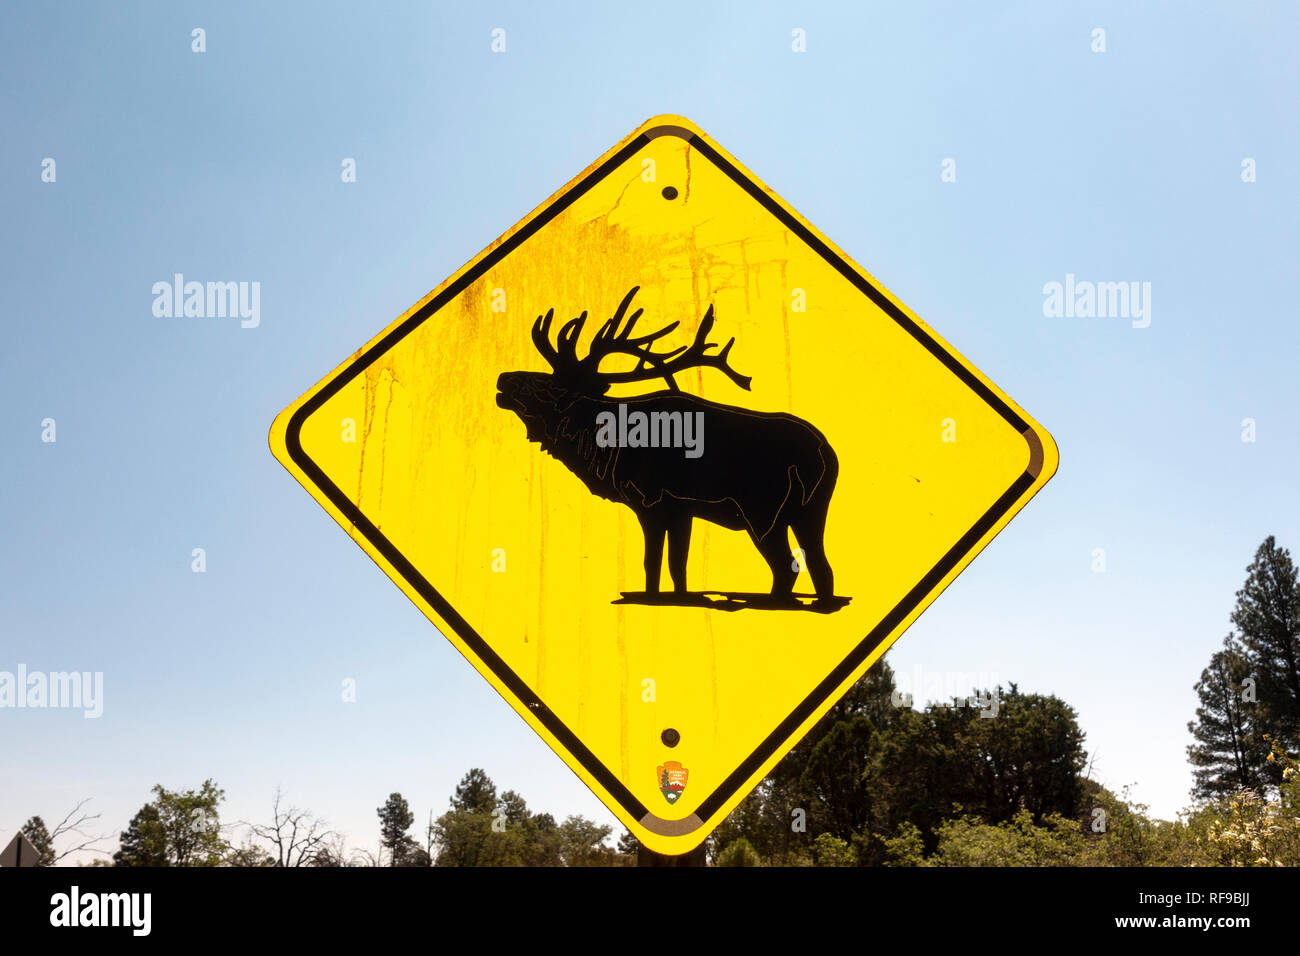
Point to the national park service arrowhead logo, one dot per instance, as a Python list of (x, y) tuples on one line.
[(672, 780)]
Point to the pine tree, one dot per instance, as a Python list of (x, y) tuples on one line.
[(1229, 753), (475, 793), (395, 818), (1267, 617), (143, 842), (629, 845), (36, 831)]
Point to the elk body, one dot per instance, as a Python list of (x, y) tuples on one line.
[(764, 473)]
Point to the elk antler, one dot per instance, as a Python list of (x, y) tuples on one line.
[(564, 360), (611, 340)]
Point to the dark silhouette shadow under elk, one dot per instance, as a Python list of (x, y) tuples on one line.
[(764, 473)]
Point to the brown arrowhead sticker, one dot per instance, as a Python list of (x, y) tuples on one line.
[(672, 780)]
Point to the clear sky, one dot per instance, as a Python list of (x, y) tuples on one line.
[(1117, 166)]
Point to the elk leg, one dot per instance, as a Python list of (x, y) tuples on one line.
[(775, 549), (679, 545), (654, 551), (809, 531)]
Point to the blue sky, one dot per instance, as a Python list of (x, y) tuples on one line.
[(1115, 166)]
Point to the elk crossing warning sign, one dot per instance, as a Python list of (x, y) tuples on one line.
[(669, 469)]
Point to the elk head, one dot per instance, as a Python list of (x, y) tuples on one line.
[(542, 399)]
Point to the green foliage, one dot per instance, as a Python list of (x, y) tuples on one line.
[(1015, 752), (1249, 715), (1229, 753), (143, 841), (764, 819), (830, 850), (878, 777), (1119, 832), (1250, 828), (969, 841), (468, 839), (1267, 616), (475, 793), (395, 818), (738, 853), (190, 824), (410, 853), (628, 845), (177, 828), (582, 843), (480, 830), (1252, 686), (35, 831), (1029, 756), (808, 781), (248, 855), (836, 779), (477, 833), (1005, 785), (904, 848)]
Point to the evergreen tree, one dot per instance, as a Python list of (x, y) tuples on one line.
[(410, 853), (395, 818), (479, 830), (835, 779), (1229, 753), (36, 831), (143, 843), (629, 845), (1267, 618), (70, 831), (475, 792)]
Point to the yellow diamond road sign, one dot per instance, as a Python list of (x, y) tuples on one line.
[(669, 469)]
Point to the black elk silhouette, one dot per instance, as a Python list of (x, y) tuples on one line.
[(760, 472)]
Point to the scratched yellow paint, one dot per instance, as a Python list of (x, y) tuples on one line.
[(450, 481)]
